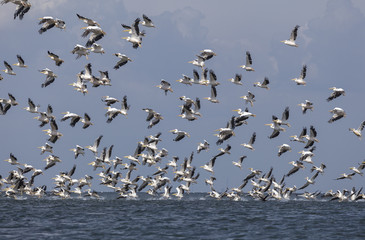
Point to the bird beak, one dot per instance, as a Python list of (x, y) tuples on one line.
[(235, 110)]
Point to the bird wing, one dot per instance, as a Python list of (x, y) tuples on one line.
[(304, 72), (274, 134), (20, 59), (8, 66), (285, 115), (294, 33), (248, 59)]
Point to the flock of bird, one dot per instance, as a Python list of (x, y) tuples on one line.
[(121, 174)]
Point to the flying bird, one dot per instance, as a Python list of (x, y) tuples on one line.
[(358, 131), (293, 37), (336, 92), (58, 61), (166, 86), (338, 113), (248, 67), (123, 60), (263, 84), (300, 80), (147, 22)]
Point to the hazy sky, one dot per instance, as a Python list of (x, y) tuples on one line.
[(330, 41)]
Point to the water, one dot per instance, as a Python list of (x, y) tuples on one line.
[(195, 216)]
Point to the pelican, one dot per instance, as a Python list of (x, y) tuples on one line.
[(88, 21), (297, 165), (248, 67), (319, 169), (58, 61), (239, 163), (50, 22), (212, 79), (180, 134), (80, 51), (311, 137), (263, 84), (199, 62), (209, 166), (276, 131), (346, 176), (359, 168), (306, 155), (166, 86), (301, 136), (147, 22), (213, 95), (12, 160), (227, 132), (113, 112), (358, 131), (284, 118), (180, 192), (94, 147), (243, 115), (283, 149), (249, 98), (123, 60), (74, 118), (32, 108), (50, 76), (207, 54), (155, 120), (53, 132), (293, 37), (203, 146), (237, 79), (135, 36), (336, 93), (46, 148), (185, 80), (97, 48), (43, 118), (104, 77), (20, 62), (9, 69), (78, 150), (22, 7), (300, 80), (305, 106), (338, 113), (251, 142), (86, 121), (309, 181)]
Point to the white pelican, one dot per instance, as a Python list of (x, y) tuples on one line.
[(87, 73), (297, 165), (212, 79), (97, 48), (306, 155), (338, 113), (50, 22), (284, 118), (309, 181), (20, 62), (277, 129), (311, 137), (46, 148), (43, 118), (9, 69), (301, 136), (32, 108), (166, 86), (12, 160), (78, 150), (185, 80), (180, 134), (213, 95), (336, 93), (74, 118), (88, 21), (305, 106), (293, 37), (237, 79), (147, 22), (22, 7), (203, 146), (53, 132), (123, 60), (209, 166), (80, 51), (180, 192), (263, 84), (283, 148), (104, 77), (358, 131), (248, 67), (56, 58), (113, 112), (359, 168), (135, 36), (251, 142), (86, 121), (155, 120), (249, 98), (300, 80), (243, 115), (50, 76), (94, 147), (346, 176), (239, 163), (199, 62), (207, 54), (319, 169), (80, 85)]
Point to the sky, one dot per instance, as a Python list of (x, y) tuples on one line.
[(330, 40)]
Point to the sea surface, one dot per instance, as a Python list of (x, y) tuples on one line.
[(195, 216)]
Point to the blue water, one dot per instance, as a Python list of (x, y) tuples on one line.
[(195, 216)]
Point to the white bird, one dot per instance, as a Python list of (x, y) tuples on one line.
[(50, 76), (12, 160), (20, 62), (86, 121), (301, 136), (123, 60), (74, 118), (213, 95), (248, 67), (277, 129), (32, 108), (56, 58), (249, 98), (46, 148), (336, 93), (166, 86), (199, 62), (135, 35), (283, 149), (97, 48), (300, 80), (203, 146), (50, 22), (239, 163), (293, 37), (185, 80), (338, 113), (263, 84), (237, 79), (80, 51), (9, 69), (180, 134), (94, 147), (251, 142), (96, 33), (311, 137), (147, 22), (358, 131), (209, 165), (207, 54), (305, 106), (88, 21), (78, 150), (53, 133)]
